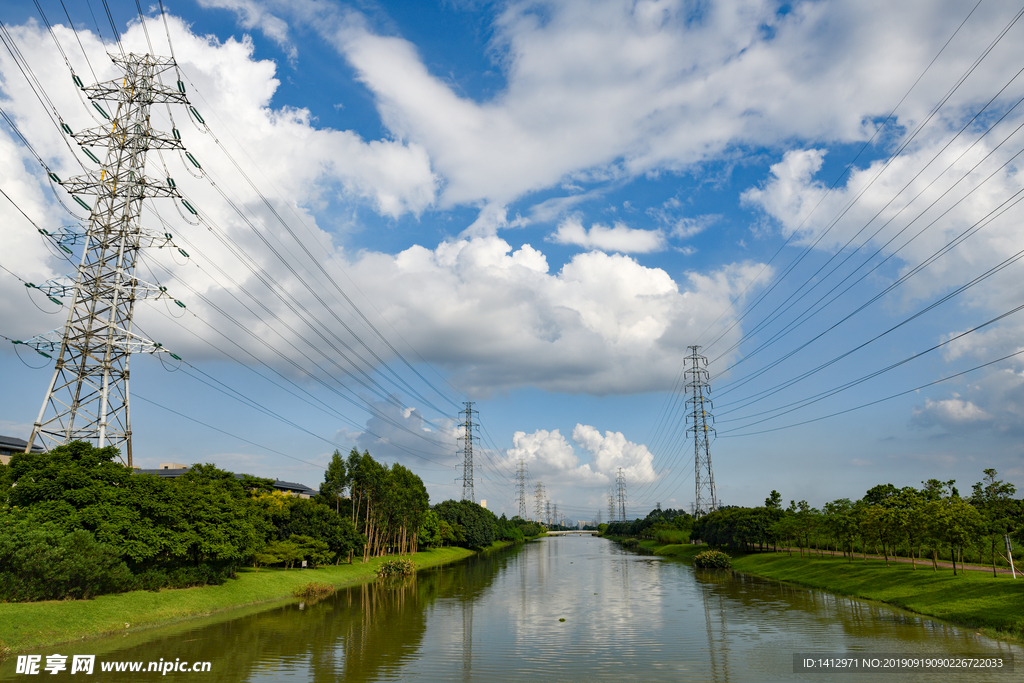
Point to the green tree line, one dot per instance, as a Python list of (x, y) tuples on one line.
[(664, 521), (74, 523), (932, 522)]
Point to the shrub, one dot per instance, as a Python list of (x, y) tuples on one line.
[(314, 591), (42, 563), (671, 536), (396, 568), (712, 559), (630, 543)]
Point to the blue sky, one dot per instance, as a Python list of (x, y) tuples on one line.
[(541, 205)]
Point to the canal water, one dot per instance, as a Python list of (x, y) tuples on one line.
[(574, 608)]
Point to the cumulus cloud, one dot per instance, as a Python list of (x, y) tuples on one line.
[(608, 90), (551, 458), (280, 147), (941, 215), (950, 413), (619, 237), (495, 317)]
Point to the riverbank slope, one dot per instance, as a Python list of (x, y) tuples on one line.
[(32, 625), (976, 599)]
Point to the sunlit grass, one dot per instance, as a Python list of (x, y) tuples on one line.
[(973, 598), (25, 626)]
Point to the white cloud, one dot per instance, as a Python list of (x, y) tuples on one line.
[(612, 451), (233, 91), (608, 90), (550, 457), (619, 237), (949, 413), (252, 15)]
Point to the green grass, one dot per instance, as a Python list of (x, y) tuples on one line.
[(976, 599), (31, 625), (973, 598)]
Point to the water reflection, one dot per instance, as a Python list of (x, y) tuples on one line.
[(566, 608)]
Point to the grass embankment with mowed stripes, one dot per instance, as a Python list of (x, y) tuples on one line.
[(32, 625), (993, 605)]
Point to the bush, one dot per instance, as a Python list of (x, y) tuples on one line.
[(42, 563), (630, 543), (396, 568), (712, 559), (314, 591), (155, 578), (672, 536)]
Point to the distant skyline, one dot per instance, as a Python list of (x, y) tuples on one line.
[(539, 206)]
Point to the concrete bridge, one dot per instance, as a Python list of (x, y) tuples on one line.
[(574, 532)]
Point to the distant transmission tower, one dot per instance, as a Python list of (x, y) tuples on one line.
[(620, 484), (539, 504), (547, 511), (554, 514), (611, 505), (467, 440), (598, 520), (87, 399), (698, 417), (521, 488)]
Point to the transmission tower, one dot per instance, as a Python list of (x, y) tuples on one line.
[(547, 511), (87, 398), (554, 514), (611, 504), (467, 440), (521, 488), (598, 520), (539, 503), (620, 484), (698, 418)]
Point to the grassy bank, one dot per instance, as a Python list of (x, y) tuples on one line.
[(31, 625), (975, 599)]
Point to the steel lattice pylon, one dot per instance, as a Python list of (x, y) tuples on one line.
[(521, 488), (698, 417), (87, 398), (620, 486), (539, 508), (467, 440)]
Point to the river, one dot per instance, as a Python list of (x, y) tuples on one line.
[(571, 608)]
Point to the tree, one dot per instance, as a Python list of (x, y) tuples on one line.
[(957, 523), (336, 480), (773, 501), (477, 523), (994, 500), (220, 524), (840, 524), (429, 535)]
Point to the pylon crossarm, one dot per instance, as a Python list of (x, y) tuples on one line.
[(57, 287), (151, 139), (64, 286), (155, 93), (124, 341), (102, 182)]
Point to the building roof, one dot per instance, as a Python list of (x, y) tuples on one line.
[(10, 443), (290, 487)]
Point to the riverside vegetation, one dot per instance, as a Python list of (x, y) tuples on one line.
[(829, 548), (75, 524)]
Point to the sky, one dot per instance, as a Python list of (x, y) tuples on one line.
[(540, 207)]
